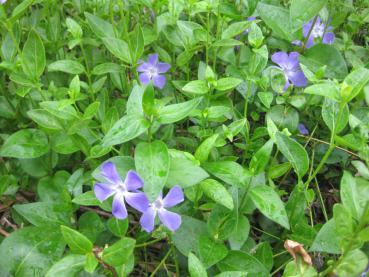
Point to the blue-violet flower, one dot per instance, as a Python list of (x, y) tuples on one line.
[(122, 191), (171, 220), (151, 70)]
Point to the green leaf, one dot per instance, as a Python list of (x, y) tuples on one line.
[(90, 225), (117, 226), (106, 68), (126, 129), (119, 48), (235, 29), (331, 115), (355, 81), (197, 87), (69, 266), (45, 119), (352, 264), (20, 9), (91, 262), (195, 267), (227, 83), (327, 239), (136, 44), (230, 172), (228, 42), (221, 223), (240, 234), (242, 261), (119, 253), (152, 165), (326, 89), (350, 195), (294, 153), (77, 242), (266, 98), (284, 117), (269, 203), (264, 253), (67, 66), (261, 158), (203, 151), (301, 11), (148, 100), (25, 144), (325, 55), (211, 252), (185, 173), (277, 19), (187, 236), (299, 268), (100, 27), (343, 220), (33, 56), (176, 112), (86, 199), (217, 192), (30, 251)]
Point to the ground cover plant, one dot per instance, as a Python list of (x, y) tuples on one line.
[(184, 138)]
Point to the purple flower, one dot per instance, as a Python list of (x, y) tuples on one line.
[(319, 30), (2, 1), (171, 220), (303, 130), (290, 66), (122, 191), (151, 70)]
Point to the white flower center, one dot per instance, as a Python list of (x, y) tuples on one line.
[(153, 71), (318, 30), (158, 204), (121, 189)]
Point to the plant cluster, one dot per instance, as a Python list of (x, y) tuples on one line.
[(223, 138)]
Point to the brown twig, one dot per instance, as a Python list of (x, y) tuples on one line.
[(97, 250), (3, 232), (95, 210)]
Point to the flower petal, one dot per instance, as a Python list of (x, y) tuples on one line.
[(298, 78), (159, 81), (110, 173), (280, 58), (306, 28), (133, 181), (145, 78), (251, 18), (171, 220), (174, 197), (153, 59), (147, 220), (137, 200), (328, 38), (310, 42), (103, 191), (119, 208), (303, 130), (163, 67), (293, 60), (144, 67)]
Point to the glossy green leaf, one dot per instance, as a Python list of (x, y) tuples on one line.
[(210, 251), (197, 87), (152, 164), (217, 192), (68, 266), (176, 112), (119, 252), (327, 239), (67, 66), (261, 158), (33, 56), (269, 203), (195, 267), (77, 242), (302, 11), (294, 153)]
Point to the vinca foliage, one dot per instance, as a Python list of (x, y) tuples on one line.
[(184, 138)]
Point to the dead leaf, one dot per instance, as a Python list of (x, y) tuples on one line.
[(295, 248)]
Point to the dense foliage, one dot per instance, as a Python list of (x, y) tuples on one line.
[(184, 138)]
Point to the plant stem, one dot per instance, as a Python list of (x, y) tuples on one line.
[(308, 36), (161, 263), (147, 243)]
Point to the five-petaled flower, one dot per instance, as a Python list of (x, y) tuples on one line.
[(171, 220), (319, 30), (151, 70), (289, 64), (122, 191)]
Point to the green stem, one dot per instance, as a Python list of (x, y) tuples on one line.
[(161, 263), (147, 243), (308, 36)]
